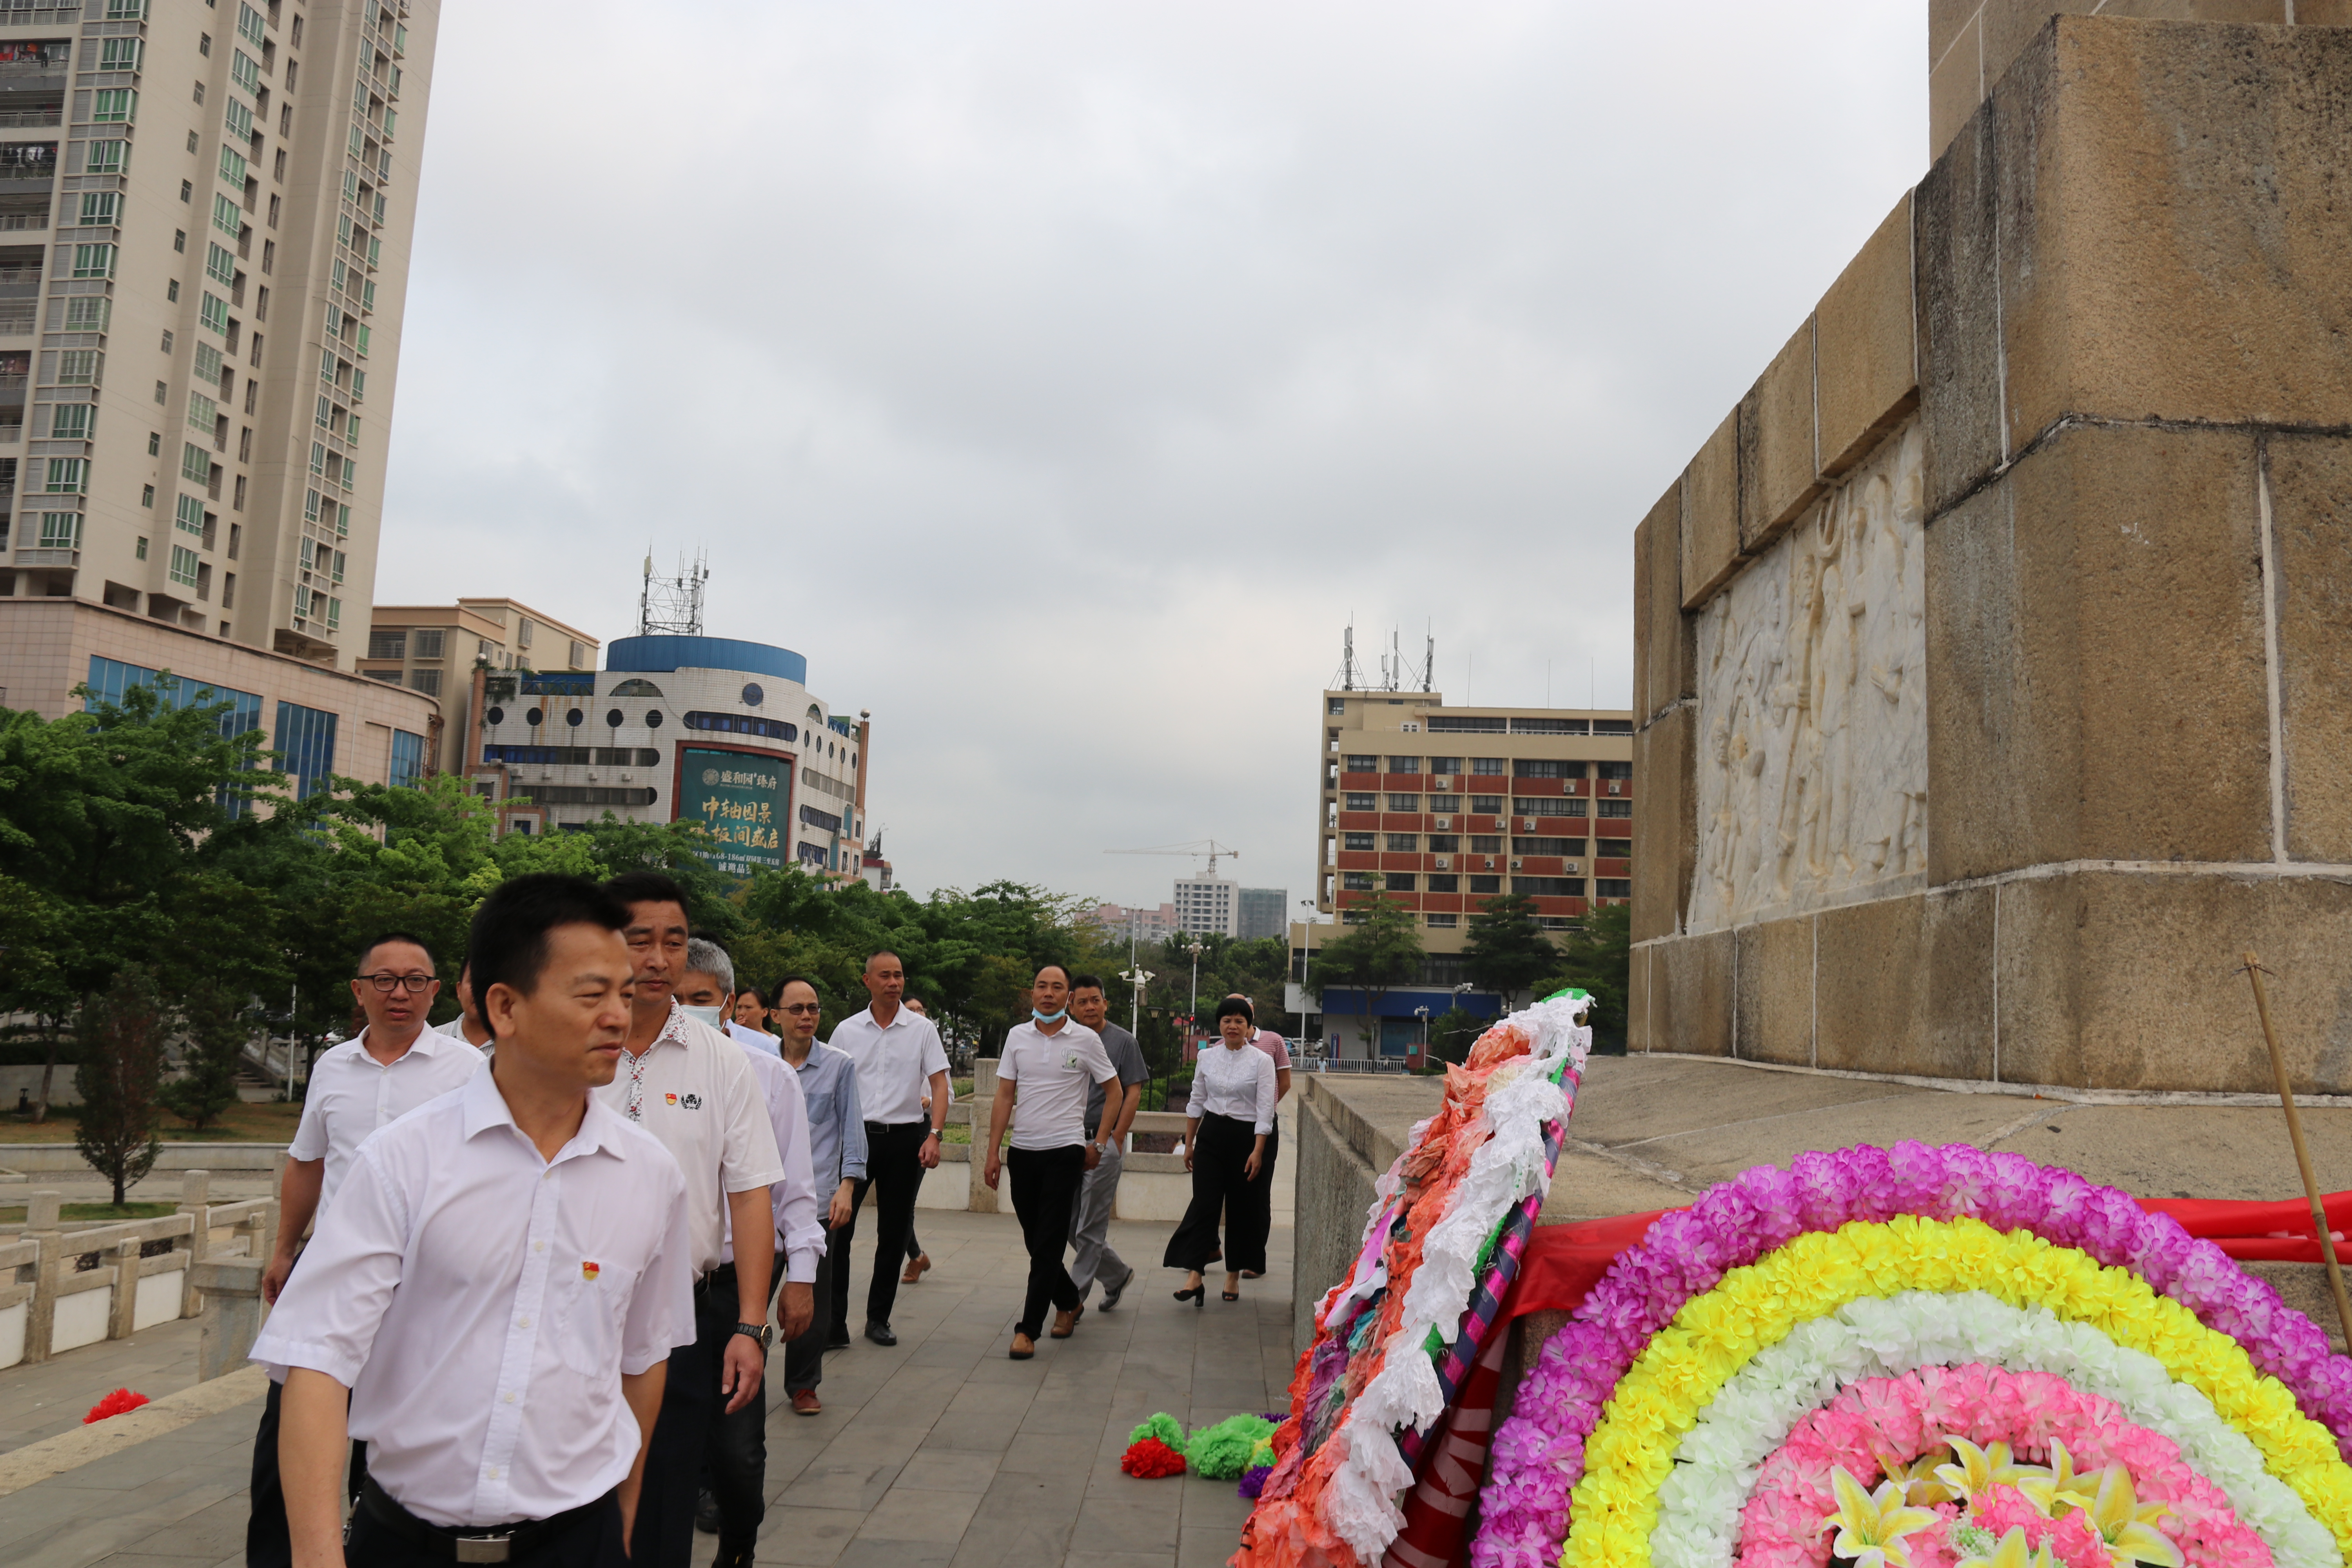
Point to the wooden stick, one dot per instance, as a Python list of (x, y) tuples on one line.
[(2302, 1154)]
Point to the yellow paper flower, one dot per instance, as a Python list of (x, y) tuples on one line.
[(1871, 1525), (1918, 1478), (2128, 1525), (1614, 1506), (2058, 1488), (2012, 1553), (1979, 1470)]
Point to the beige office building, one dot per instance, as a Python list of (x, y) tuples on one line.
[(204, 222), (434, 650), (1441, 807)]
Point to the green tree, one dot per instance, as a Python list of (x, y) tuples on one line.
[(1453, 1032), (1508, 950), (121, 1038), (1379, 952), (1598, 957), (215, 1018)]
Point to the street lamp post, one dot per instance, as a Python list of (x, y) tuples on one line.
[(1423, 1013), (1193, 1023)]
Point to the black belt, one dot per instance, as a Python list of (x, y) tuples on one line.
[(494, 1543)]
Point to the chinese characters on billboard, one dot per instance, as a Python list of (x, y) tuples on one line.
[(743, 802)]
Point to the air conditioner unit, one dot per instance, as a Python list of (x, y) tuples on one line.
[(1441, 781), (1515, 865), (1616, 787), (1573, 868), (1444, 822), (1526, 825), (1490, 862), (1445, 863)]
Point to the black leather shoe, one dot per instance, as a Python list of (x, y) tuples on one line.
[(880, 1333), (836, 1338), (706, 1513)]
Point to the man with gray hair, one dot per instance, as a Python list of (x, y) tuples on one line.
[(737, 1455)]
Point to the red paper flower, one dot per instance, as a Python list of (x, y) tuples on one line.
[(1151, 1458), (114, 1403)]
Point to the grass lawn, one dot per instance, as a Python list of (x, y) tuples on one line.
[(241, 1123), (92, 1211)]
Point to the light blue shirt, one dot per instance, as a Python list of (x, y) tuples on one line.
[(836, 1131)]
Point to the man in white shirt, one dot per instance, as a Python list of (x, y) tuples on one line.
[(1048, 1064), (899, 1061), (395, 1065), (467, 1025), (692, 1087), (497, 1284), (828, 1082), (737, 1458)]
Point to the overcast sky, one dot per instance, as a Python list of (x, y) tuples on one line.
[(1061, 379)]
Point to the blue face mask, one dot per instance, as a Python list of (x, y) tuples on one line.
[(1049, 1017)]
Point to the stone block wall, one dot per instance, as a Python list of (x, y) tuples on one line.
[(1990, 657)]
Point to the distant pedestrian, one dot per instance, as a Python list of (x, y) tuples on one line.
[(900, 1062), (1091, 1257), (394, 1065), (1231, 1115), (496, 1287), (694, 1090), (837, 1152), (467, 1025), (1042, 1078), (748, 1019)]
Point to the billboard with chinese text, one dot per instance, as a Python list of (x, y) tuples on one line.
[(742, 801)]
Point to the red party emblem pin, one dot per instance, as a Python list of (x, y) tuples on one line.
[(588, 1271)]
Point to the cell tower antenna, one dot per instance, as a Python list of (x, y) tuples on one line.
[(672, 606), (1428, 662), (1345, 682)]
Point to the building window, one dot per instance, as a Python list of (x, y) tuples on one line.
[(1562, 846), (189, 516), (1487, 804), (1549, 887), (1612, 887), (1400, 881), (225, 216), (1547, 726), (1490, 767), (248, 25), (1445, 882), (67, 476), (70, 421), (1358, 802), (106, 157), (239, 120), (1614, 807), (115, 106), (310, 507), (1612, 770), (90, 313), (97, 208), (208, 363), (1545, 768), (1335, 705), (1404, 764), (1485, 844), (387, 644), (1444, 843), (147, 495), (1443, 923), (214, 313), (1546, 806), (1485, 885), (195, 464), (183, 565), (203, 414), (1405, 843), (1404, 803), (305, 738), (429, 643), (79, 367), (407, 759), (1445, 802), (244, 72), (1361, 765), (428, 681), (1360, 841), (1356, 881), (220, 263)]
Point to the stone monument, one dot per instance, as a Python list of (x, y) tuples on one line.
[(1993, 658)]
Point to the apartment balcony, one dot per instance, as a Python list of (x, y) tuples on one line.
[(21, 175), (18, 116)]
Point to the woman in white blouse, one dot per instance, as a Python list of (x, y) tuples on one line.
[(1232, 1111)]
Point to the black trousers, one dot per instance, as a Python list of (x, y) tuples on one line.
[(267, 1542), (663, 1535), (593, 1541), (805, 1356), (1221, 1151), (1257, 1197), (1044, 1186), (894, 1164), (736, 1455)]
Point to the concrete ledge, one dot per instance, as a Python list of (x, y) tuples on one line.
[(60, 1158), (37, 1462)]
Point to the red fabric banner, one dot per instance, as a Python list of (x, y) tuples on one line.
[(1563, 1262)]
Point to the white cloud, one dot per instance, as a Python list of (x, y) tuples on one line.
[(1059, 378)]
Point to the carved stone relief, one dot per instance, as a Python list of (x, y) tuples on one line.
[(1813, 722)]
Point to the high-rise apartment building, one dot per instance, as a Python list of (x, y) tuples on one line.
[(1261, 912), (211, 206), (1441, 808), (1206, 905)]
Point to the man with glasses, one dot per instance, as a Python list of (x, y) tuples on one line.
[(393, 1066), (837, 1149)]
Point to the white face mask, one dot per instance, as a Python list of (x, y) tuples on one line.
[(710, 1015)]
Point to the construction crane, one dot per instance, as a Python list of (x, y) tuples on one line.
[(1196, 849)]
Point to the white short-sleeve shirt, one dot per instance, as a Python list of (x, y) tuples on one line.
[(894, 1064), (481, 1303), (693, 1089), (351, 1094), (1055, 1071)]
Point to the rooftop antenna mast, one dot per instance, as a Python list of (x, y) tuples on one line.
[(672, 606), (1347, 680)]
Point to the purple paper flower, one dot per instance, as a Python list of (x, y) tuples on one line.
[(1539, 1453)]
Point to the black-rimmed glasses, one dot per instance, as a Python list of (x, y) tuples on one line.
[(398, 981)]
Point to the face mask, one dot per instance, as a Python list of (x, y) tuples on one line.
[(1049, 1017), (704, 1015)]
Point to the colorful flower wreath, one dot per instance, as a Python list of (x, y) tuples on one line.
[(1667, 1421), (1440, 1245)]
